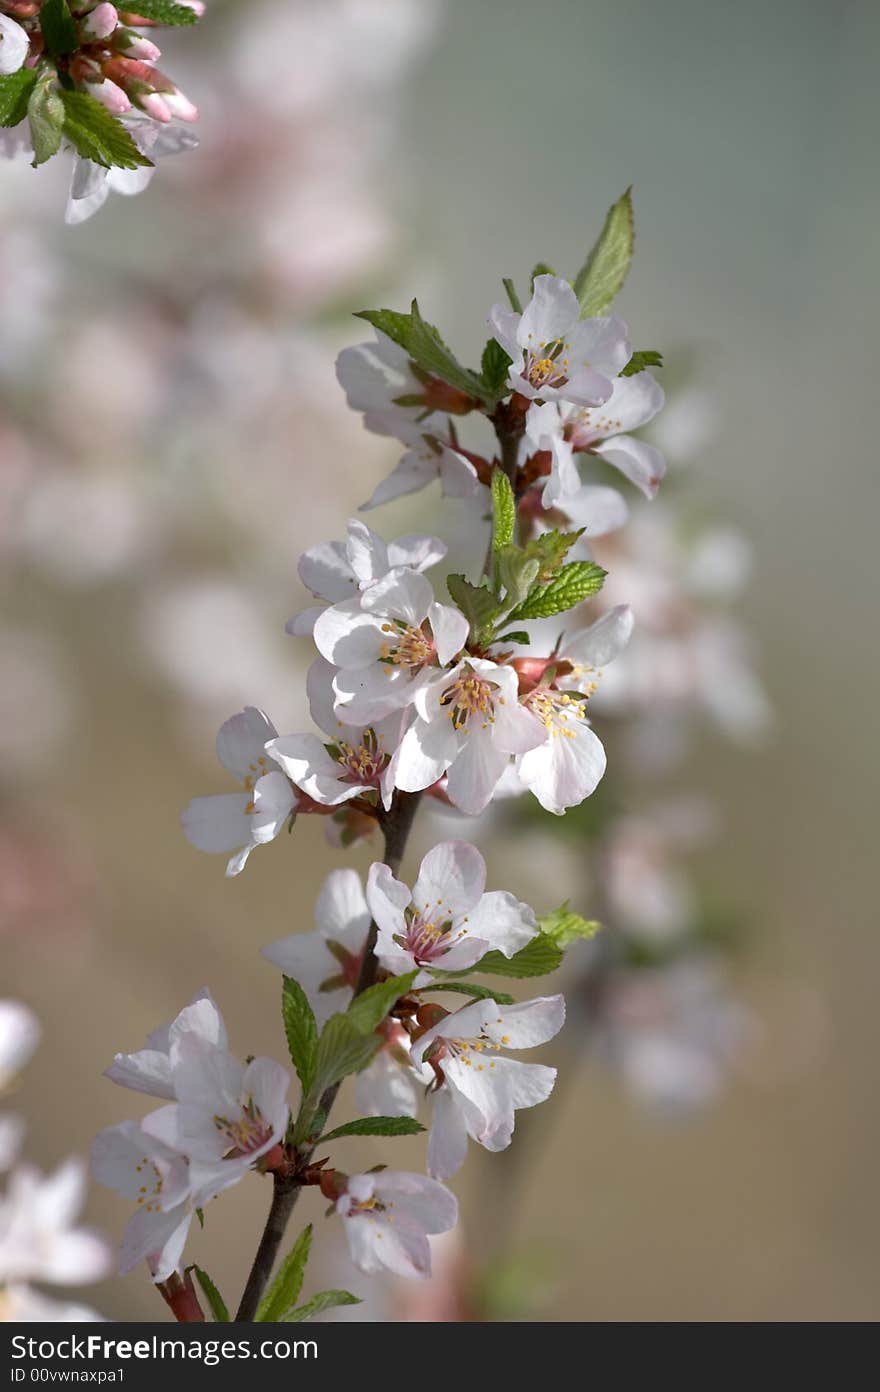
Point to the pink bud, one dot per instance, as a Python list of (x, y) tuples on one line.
[(136, 46), (99, 23), (154, 105), (181, 106), (111, 96)]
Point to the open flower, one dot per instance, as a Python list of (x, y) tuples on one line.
[(605, 431), (427, 458), (557, 356), (39, 1239), (468, 724), (477, 1088), (387, 1217), (326, 962), (240, 821), (338, 570), (141, 1167), (386, 643), (353, 763), (568, 763), (447, 922)]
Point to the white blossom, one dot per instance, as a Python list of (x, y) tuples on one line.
[(387, 1217)]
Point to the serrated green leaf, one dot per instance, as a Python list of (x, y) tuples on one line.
[(324, 1300), (574, 583), (517, 573), (564, 927), (646, 357), (45, 120), (163, 11), (604, 271), (285, 1289), (15, 90), (98, 136), (212, 1295), (375, 1126), (426, 348), (550, 550), (494, 367), (301, 1030), (59, 31), (518, 635), (343, 1048), (470, 988), (537, 958), (478, 604), (368, 1010), (503, 510)]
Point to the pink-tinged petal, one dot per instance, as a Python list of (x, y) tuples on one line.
[(369, 694), (516, 729), (528, 1083), (502, 922), (14, 46), (601, 344), (268, 1083), (596, 646), (633, 402), (157, 1238), (447, 1143), (563, 771), (551, 313), (585, 386), (415, 471), (450, 629), (242, 740), (425, 1202), (386, 1088), (347, 636), (217, 824), (302, 625), (200, 1017), (564, 480), (458, 477), (486, 1088), (417, 551), (474, 774), (387, 899), (342, 912), (597, 509), (205, 1076), (401, 594), (307, 763), (326, 571), (366, 552), (504, 323), (451, 880), (146, 1071), (642, 464), (424, 754), (274, 800), (527, 1024)]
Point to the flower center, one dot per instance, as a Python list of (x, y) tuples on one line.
[(364, 762), (427, 940), (247, 1133), (559, 712), (469, 695), (547, 366), (150, 1190), (412, 648)]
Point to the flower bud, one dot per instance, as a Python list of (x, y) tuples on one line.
[(110, 96), (134, 45), (99, 23), (333, 1184)]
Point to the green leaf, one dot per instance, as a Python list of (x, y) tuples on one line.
[(301, 1031), (518, 635), (470, 988), (550, 550), (426, 348), (564, 927), (539, 957), (493, 366), (163, 11), (15, 90), (324, 1300), (375, 1126), (503, 510), (98, 136), (343, 1048), (368, 1010), (285, 1289), (60, 33), (45, 119), (540, 269), (200, 1214), (212, 1295), (478, 604), (647, 357), (517, 573), (574, 583), (604, 271)]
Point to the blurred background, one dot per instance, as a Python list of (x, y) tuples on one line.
[(171, 438)]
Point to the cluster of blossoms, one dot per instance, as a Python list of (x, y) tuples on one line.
[(83, 73), (40, 1239), (413, 696)]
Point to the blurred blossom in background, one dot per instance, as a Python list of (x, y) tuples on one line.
[(172, 436)]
